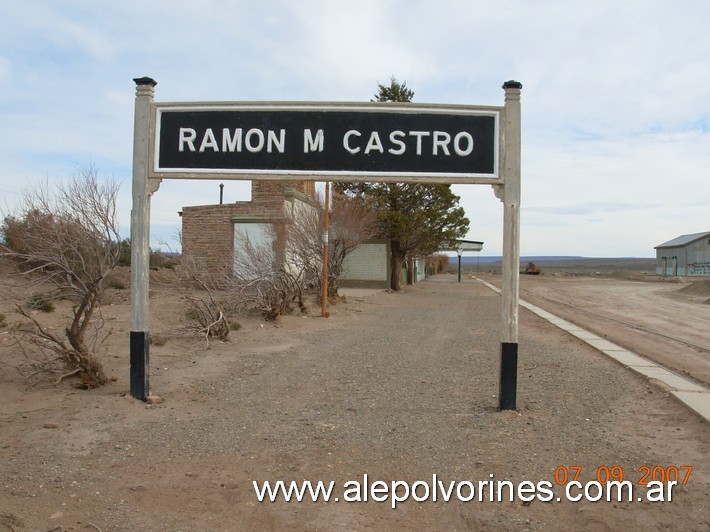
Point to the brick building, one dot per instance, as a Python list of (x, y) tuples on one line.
[(208, 231)]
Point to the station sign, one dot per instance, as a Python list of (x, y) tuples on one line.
[(324, 141), (376, 141)]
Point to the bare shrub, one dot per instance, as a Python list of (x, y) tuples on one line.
[(40, 302), (272, 267), (255, 283), (204, 292), (351, 223), (158, 340), (438, 263), (68, 239), (46, 354), (116, 284), (262, 280), (206, 306)]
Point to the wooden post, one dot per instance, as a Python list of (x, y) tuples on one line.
[(324, 280), (511, 247), (140, 239)]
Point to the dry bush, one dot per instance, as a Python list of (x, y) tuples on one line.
[(206, 303), (438, 262), (49, 355), (66, 238), (261, 279), (202, 289), (271, 269), (256, 283), (350, 224)]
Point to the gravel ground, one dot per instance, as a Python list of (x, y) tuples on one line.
[(398, 386)]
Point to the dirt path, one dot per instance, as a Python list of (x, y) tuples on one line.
[(396, 386)]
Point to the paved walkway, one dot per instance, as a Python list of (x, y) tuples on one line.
[(694, 396)]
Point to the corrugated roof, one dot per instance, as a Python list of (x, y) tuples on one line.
[(682, 240)]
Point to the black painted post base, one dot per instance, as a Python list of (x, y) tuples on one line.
[(140, 351), (508, 375)]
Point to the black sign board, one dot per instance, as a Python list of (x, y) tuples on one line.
[(368, 140)]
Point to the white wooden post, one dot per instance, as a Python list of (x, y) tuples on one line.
[(140, 239), (511, 247)]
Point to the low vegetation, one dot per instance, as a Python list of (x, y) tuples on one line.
[(276, 275), (40, 302), (65, 238)]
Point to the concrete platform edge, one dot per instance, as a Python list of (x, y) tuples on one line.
[(694, 396)]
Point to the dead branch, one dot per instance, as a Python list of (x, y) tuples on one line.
[(351, 223), (68, 238), (203, 292), (66, 375)]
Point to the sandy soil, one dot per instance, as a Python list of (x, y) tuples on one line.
[(668, 322), (398, 386)]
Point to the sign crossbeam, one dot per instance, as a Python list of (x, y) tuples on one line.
[(326, 142)]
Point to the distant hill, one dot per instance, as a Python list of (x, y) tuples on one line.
[(473, 259), (562, 262)]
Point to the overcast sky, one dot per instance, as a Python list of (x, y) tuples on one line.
[(615, 99)]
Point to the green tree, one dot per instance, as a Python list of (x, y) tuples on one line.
[(417, 219), (396, 92)]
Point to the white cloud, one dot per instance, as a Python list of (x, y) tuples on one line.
[(615, 112)]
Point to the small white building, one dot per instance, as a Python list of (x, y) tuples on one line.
[(368, 266), (684, 255)]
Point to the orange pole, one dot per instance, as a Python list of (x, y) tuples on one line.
[(324, 280)]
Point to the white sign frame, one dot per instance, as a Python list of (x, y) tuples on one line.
[(506, 184), (494, 178)]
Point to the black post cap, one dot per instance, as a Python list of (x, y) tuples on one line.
[(145, 81), (512, 84)]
